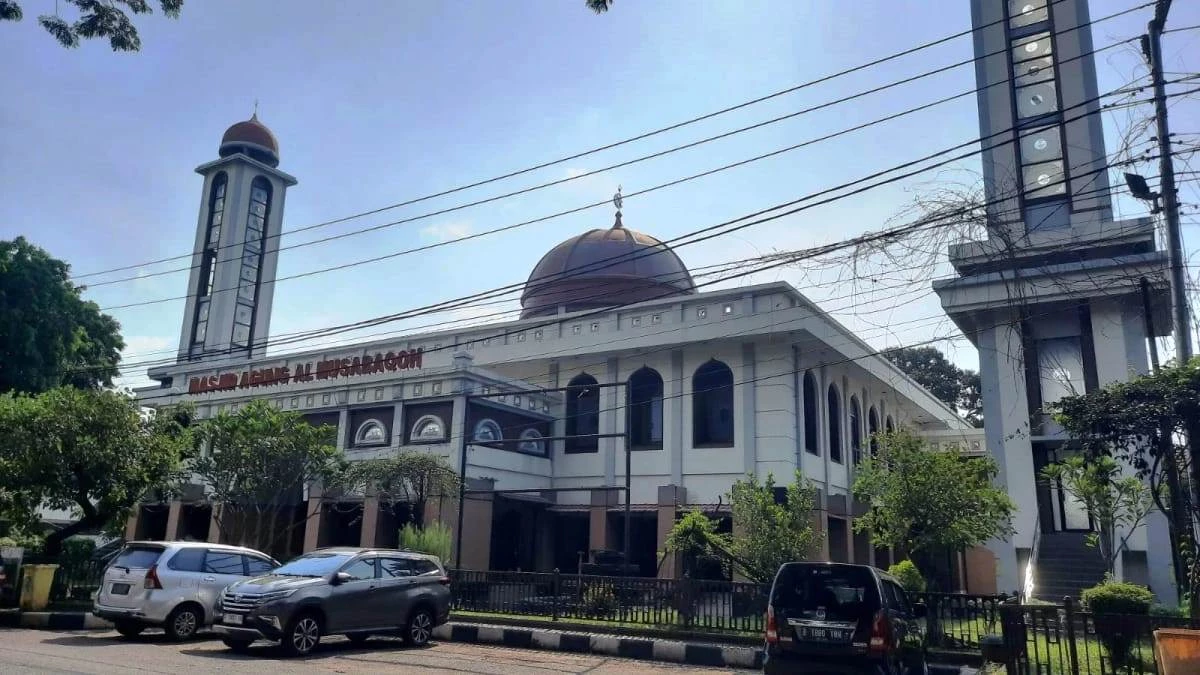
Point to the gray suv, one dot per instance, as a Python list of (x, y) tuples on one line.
[(349, 591)]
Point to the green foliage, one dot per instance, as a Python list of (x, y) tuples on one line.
[(924, 501), (767, 534), (256, 463), (1118, 503), (599, 6), (954, 386), (49, 335), (406, 477), (32, 543), (1118, 597), (94, 453), (908, 575), (599, 600), (433, 539), (95, 20)]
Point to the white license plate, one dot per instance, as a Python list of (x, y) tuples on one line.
[(233, 619)]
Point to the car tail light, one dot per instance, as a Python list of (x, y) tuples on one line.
[(152, 578), (772, 631), (881, 632)]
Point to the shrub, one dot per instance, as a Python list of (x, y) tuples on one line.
[(1171, 612), (908, 575), (1118, 597), (599, 601), (434, 539)]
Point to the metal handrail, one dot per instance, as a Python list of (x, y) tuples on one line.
[(1027, 587)]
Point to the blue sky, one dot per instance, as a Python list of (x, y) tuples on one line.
[(384, 101)]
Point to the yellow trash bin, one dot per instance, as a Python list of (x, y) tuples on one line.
[(35, 586), (1177, 651)]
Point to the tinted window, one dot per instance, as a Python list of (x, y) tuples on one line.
[(897, 597), (256, 566), (138, 557), (223, 562), (187, 560), (361, 569), (314, 564), (395, 567), (829, 592), (422, 566)]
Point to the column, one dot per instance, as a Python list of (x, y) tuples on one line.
[(669, 499), (214, 525), (674, 435), (370, 519), (608, 420), (174, 507), (314, 525), (477, 523), (748, 388), (598, 531), (819, 514), (131, 525)]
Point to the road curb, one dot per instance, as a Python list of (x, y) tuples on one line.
[(53, 621), (674, 651)]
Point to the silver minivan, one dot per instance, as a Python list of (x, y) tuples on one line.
[(173, 585)]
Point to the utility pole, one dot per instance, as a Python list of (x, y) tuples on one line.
[(1152, 46)]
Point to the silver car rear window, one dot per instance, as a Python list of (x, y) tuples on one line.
[(138, 557)]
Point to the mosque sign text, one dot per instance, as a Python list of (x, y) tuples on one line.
[(308, 372)]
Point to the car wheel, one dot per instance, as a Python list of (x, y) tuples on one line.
[(239, 646), (129, 628), (183, 622), (358, 639), (303, 634), (419, 628)]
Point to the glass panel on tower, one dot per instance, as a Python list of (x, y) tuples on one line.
[(1041, 145), (1044, 180), (1039, 99), (1032, 47), (1027, 12)]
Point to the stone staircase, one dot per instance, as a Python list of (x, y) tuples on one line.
[(1066, 565)]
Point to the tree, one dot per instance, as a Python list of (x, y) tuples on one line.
[(96, 19), (1116, 502), (95, 453), (954, 386), (406, 479), (926, 502), (767, 532), (599, 6), (49, 335), (257, 463), (1146, 422)]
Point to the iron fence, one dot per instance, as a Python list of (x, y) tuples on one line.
[(686, 604), (959, 621), (1063, 639)]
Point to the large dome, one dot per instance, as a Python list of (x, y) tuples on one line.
[(602, 268), (252, 138)]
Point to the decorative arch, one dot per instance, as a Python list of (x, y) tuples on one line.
[(712, 405), (532, 443), (644, 403), (835, 424), (487, 431), (811, 418), (583, 414), (370, 432), (251, 270), (428, 429), (873, 430), (856, 440), (208, 259), (889, 426)]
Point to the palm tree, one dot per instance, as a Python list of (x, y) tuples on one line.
[(599, 6)]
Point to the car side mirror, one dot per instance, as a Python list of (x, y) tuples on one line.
[(341, 578), (920, 610)]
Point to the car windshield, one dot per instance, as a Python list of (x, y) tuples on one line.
[(314, 564), (823, 593)]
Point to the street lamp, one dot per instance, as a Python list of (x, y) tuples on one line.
[(1140, 190)]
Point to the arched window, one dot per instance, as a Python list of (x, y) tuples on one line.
[(855, 431), (873, 430), (531, 442), (208, 259), (583, 414), (428, 429), (889, 426), (835, 424), (644, 401), (370, 432), (487, 431), (252, 251), (811, 422), (712, 405)]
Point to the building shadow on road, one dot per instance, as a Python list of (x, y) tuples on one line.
[(94, 639), (331, 649)]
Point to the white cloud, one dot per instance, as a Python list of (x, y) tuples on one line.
[(144, 347), (448, 231)]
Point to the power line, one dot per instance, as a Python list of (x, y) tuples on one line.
[(586, 174)]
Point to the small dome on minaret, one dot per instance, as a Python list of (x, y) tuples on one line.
[(252, 138)]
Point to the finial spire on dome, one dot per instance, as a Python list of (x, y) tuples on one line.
[(254, 115), (617, 202)]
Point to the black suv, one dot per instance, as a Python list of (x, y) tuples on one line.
[(838, 618), (350, 591)]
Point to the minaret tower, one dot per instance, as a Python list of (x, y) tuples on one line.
[(232, 282)]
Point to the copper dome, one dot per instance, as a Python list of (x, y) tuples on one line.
[(602, 268), (253, 138)]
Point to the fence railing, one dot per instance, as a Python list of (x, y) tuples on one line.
[(685, 604), (958, 621), (1064, 639), (75, 584)]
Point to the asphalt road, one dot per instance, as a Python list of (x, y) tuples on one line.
[(38, 651)]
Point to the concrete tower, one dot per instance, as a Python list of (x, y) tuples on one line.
[(228, 312), (1052, 297)]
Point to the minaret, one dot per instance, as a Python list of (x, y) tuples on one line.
[(232, 282)]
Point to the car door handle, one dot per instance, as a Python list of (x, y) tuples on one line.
[(210, 578)]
